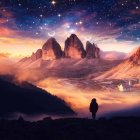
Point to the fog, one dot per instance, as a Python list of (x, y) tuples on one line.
[(79, 97), (110, 102)]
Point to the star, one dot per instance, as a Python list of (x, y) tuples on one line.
[(19, 4), (68, 26), (41, 16), (80, 22), (53, 2), (41, 28), (59, 15)]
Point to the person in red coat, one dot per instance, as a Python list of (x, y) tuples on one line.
[(93, 108)]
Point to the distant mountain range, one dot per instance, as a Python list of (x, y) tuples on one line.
[(28, 99), (75, 61), (73, 49), (129, 68)]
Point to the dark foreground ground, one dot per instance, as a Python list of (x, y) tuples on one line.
[(71, 129)]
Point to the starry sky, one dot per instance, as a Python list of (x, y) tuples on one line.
[(114, 25)]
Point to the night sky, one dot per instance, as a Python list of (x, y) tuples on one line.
[(26, 24)]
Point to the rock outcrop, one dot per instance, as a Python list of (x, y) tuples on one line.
[(97, 51), (37, 55), (92, 51), (51, 50), (74, 48), (135, 58)]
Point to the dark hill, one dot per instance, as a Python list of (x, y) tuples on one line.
[(29, 99)]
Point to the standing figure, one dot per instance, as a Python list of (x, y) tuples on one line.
[(93, 108)]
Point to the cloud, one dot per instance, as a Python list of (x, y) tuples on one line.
[(4, 55), (6, 63), (4, 32), (6, 22), (3, 20), (19, 47), (5, 13)]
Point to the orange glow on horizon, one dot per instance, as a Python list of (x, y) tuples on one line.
[(19, 47)]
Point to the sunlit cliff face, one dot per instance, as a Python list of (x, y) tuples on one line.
[(79, 99)]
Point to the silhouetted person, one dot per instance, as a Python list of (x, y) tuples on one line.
[(93, 108)]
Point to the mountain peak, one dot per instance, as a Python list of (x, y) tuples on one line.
[(88, 43), (73, 35), (51, 39), (51, 50), (135, 58), (74, 47), (37, 55), (92, 51)]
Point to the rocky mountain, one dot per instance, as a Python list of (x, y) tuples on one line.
[(129, 68), (92, 51), (51, 50), (135, 58), (37, 55), (28, 99), (74, 47)]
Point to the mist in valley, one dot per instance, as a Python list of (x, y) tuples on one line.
[(77, 91), (80, 98)]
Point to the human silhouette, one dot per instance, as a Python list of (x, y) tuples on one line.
[(93, 108)]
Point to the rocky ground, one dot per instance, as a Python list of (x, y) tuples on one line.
[(71, 129)]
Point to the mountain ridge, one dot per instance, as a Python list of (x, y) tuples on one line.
[(74, 48), (129, 68), (28, 99)]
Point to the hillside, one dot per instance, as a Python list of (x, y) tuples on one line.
[(129, 68), (28, 99)]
